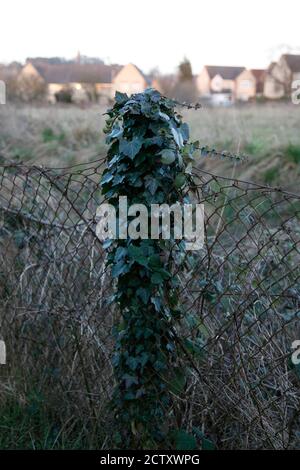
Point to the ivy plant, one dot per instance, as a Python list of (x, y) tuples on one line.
[(149, 161)]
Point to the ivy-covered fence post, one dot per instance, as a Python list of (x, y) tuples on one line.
[(148, 162)]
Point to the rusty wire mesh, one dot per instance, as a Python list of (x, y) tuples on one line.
[(240, 294)]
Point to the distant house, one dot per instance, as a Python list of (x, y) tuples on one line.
[(218, 82), (280, 75), (83, 80), (130, 79), (245, 86), (249, 84), (226, 84)]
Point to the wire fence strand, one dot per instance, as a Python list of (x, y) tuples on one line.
[(240, 294)]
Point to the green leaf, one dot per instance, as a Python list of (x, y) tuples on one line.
[(185, 131), (121, 97), (130, 380), (164, 116), (132, 362), (163, 272), (119, 268), (180, 180), (136, 254), (131, 148), (151, 185), (144, 294), (155, 261), (156, 278), (118, 179), (177, 136), (106, 177), (156, 301), (168, 156), (207, 444), (120, 253), (185, 441), (107, 243), (116, 132)]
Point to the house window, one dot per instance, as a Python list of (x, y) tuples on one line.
[(217, 83)]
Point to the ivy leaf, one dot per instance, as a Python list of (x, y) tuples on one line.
[(121, 98), (114, 160), (120, 253), (106, 177), (155, 261), (118, 179), (185, 132), (132, 362), (119, 268), (156, 301), (135, 252), (131, 148), (137, 255), (107, 243), (130, 380), (167, 156), (185, 441), (156, 278), (164, 116), (180, 180), (154, 95), (177, 136), (207, 444), (116, 132), (163, 272), (146, 109), (157, 140), (144, 294), (151, 185)]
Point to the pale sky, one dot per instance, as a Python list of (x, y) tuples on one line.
[(151, 33)]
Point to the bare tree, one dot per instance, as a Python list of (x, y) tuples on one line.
[(185, 88), (31, 88)]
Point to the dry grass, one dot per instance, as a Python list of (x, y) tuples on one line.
[(242, 391), (64, 135), (52, 136)]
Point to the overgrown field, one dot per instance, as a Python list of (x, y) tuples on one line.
[(240, 293), (62, 136)]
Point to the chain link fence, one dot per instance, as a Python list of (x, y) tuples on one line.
[(240, 294)]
